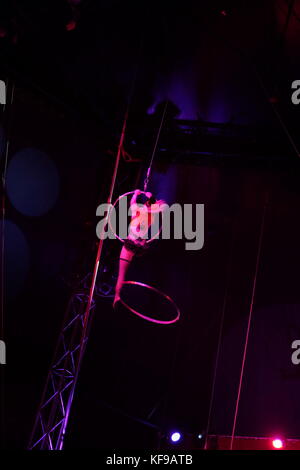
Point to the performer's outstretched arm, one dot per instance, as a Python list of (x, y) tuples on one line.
[(135, 195)]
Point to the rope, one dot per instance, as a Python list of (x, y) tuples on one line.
[(228, 277), (277, 114), (249, 319), (146, 181)]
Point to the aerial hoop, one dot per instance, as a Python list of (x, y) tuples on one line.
[(162, 294), (114, 206)]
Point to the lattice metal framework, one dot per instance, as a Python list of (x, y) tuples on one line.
[(50, 424)]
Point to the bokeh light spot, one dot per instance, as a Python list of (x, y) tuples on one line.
[(32, 182)]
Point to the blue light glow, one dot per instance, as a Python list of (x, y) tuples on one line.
[(32, 182)]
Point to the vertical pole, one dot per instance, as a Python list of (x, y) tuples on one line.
[(92, 288), (7, 118)]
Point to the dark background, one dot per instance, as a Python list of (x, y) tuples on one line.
[(227, 69)]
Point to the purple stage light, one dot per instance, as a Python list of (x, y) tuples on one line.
[(175, 437)]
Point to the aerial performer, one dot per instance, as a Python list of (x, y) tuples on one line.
[(142, 218)]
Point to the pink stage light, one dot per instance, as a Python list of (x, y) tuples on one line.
[(277, 443), (71, 25)]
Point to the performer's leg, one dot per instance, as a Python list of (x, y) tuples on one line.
[(125, 260)]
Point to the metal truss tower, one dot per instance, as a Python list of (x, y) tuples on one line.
[(53, 412), (49, 428)]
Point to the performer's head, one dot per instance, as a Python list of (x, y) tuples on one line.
[(155, 205), (151, 200)]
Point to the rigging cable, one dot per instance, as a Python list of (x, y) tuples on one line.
[(146, 181), (262, 228), (224, 306)]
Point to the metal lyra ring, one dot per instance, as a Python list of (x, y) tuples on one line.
[(162, 294), (109, 221)]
